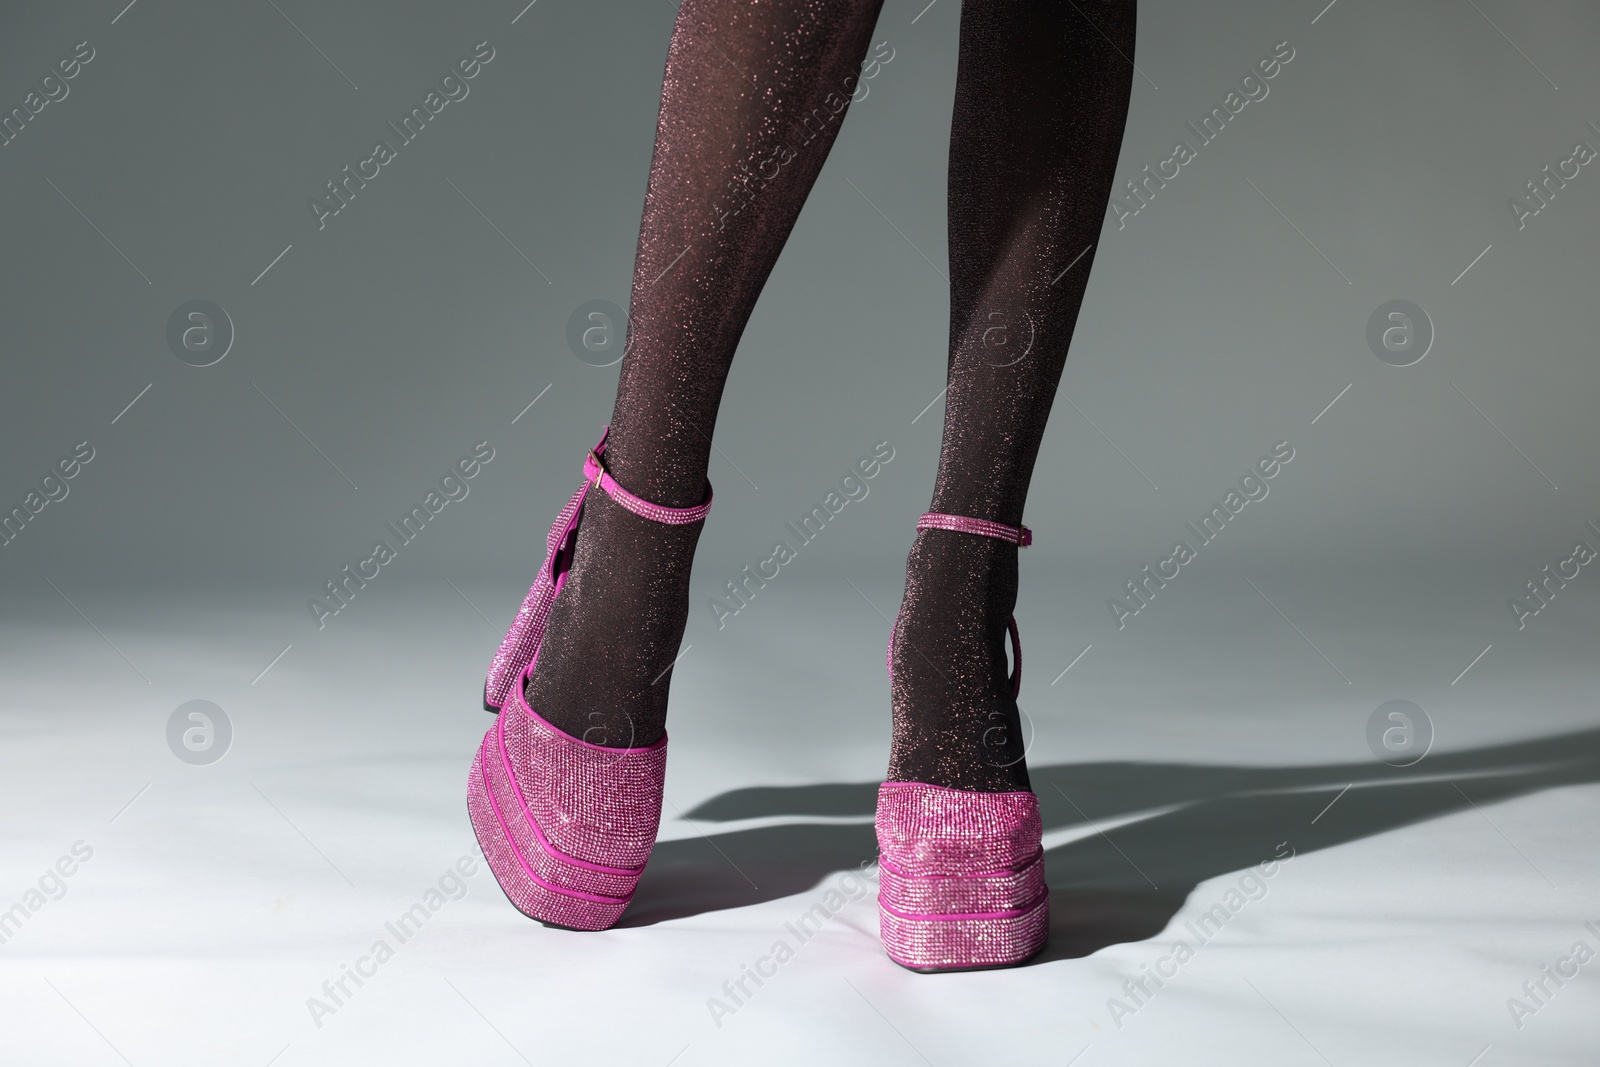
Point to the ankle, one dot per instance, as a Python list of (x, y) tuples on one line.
[(603, 672), (963, 588), (956, 722), (671, 476)]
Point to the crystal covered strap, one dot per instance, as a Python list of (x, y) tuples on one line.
[(595, 472), (1017, 535)]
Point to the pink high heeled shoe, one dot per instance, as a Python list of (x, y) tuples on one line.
[(961, 873), (566, 826)]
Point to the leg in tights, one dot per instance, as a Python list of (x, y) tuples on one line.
[(1041, 100), (753, 97)]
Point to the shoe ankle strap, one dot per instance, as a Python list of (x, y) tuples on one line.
[(595, 472), (1020, 536)]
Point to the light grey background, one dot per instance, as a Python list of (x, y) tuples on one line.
[(408, 328), (1225, 317), (1221, 319)]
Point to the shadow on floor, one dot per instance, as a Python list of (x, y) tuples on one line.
[(1174, 826)]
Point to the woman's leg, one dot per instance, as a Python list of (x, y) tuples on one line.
[(753, 97), (1041, 100)]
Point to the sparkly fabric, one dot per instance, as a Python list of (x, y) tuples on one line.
[(914, 896), (566, 826), (1040, 103), (521, 643), (1016, 535), (753, 95), (962, 876)]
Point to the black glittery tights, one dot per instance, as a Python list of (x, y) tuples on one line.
[(1041, 100), (752, 99), (754, 94)]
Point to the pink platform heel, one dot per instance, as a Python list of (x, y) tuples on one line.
[(961, 873), (566, 826)]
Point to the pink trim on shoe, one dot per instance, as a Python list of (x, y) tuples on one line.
[(505, 827), (962, 877), (565, 825), (1017, 535)]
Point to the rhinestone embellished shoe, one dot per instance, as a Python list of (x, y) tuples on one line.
[(566, 826), (961, 872)]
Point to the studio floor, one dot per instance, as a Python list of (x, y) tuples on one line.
[(1207, 784)]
